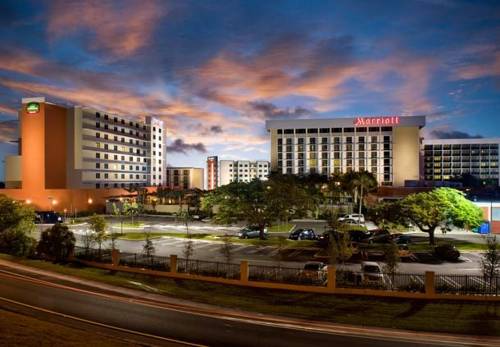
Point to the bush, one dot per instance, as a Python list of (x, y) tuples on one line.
[(56, 243), (16, 242)]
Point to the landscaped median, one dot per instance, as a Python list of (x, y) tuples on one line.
[(420, 315)]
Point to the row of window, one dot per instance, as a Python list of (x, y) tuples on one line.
[(333, 130), (336, 140), (387, 177), (122, 121), (460, 146), (338, 162), (336, 155), (122, 140), (324, 148)]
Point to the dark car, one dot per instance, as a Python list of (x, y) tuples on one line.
[(401, 239), (47, 217), (358, 235), (303, 234), (378, 236), (251, 232), (447, 252)]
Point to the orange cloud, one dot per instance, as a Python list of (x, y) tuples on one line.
[(121, 29), (489, 67)]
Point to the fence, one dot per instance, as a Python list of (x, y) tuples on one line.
[(98, 255), (139, 260), (286, 275), (428, 285), (395, 282), (208, 268), (467, 285)]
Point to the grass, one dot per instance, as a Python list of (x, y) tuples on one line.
[(285, 227), (434, 316), (17, 329), (464, 246)]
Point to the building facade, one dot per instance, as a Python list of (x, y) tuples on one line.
[(182, 178), (387, 146), (212, 172), (447, 159), (243, 170), (81, 148)]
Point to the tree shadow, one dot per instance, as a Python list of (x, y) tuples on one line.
[(415, 307)]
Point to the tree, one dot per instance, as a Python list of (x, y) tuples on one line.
[(491, 262), (442, 207), (98, 226), (226, 248), (391, 255), (88, 240), (242, 201), (119, 213), (56, 243), (148, 249), (16, 225), (188, 249), (130, 209), (389, 216), (364, 182)]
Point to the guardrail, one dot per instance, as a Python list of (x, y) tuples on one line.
[(330, 281)]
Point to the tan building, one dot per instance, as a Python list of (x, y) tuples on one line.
[(387, 146), (73, 158), (181, 178), (86, 148)]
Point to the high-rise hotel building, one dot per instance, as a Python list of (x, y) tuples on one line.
[(242, 171), (79, 147), (387, 146), (447, 159)]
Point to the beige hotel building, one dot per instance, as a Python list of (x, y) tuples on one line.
[(387, 146)]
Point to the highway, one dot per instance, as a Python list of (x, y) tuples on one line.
[(185, 327)]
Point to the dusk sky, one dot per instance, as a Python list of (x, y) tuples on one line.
[(216, 70)]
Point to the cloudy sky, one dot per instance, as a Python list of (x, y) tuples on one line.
[(215, 70)]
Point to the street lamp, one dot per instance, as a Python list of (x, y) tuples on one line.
[(90, 201)]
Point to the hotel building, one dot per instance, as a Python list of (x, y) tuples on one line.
[(88, 148), (445, 160), (387, 146), (182, 178), (242, 170), (212, 172), (71, 157)]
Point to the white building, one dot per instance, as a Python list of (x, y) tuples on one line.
[(242, 170)]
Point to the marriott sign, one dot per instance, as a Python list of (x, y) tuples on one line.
[(382, 120)]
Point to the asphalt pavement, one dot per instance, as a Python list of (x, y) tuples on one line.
[(184, 327)]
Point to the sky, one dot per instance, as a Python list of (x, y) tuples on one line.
[(216, 70)]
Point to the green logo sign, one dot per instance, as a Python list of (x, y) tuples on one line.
[(33, 107)]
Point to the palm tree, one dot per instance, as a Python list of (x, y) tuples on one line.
[(363, 181)]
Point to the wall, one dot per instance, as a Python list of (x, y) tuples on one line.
[(55, 147), (13, 174), (406, 155)]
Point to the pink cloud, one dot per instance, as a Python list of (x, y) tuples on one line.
[(121, 29)]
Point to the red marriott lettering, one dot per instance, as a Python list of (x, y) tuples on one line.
[(391, 120)]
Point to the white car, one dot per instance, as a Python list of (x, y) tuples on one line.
[(371, 274), (358, 218)]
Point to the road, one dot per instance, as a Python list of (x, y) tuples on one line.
[(167, 324)]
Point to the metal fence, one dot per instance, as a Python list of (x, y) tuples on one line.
[(396, 282), (286, 275), (208, 268), (444, 283), (92, 254), (153, 262), (467, 284)]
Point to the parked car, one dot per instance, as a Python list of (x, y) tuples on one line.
[(401, 239), (358, 235), (47, 217), (358, 218), (314, 271), (303, 234), (378, 236), (251, 232), (447, 252), (371, 274)]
